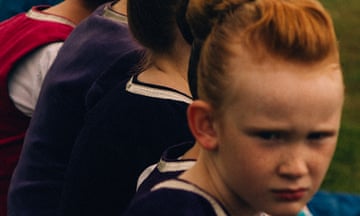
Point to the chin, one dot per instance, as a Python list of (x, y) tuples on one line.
[(285, 209)]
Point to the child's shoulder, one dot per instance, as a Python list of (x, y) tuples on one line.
[(176, 197)]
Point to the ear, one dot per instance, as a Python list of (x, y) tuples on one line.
[(200, 120)]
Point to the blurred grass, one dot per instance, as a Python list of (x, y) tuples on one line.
[(344, 172)]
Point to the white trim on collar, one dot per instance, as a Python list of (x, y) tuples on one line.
[(305, 212), (155, 92), (166, 166), (38, 15), (113, 15)]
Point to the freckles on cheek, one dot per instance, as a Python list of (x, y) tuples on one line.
[(234, 161), (318, 167), (324, 155)]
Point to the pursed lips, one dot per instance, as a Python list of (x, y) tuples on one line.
[(290, 194)]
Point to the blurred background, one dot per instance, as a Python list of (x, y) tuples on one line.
[(344, 173)]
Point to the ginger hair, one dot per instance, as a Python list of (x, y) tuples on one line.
[(292, 30)]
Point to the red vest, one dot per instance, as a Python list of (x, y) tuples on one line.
[(19, 36)]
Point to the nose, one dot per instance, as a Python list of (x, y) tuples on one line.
[(293, 167)]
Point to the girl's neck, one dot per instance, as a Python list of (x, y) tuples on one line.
[(192, 153), (169, 70), (72, 10), (120, 7), (203, 176)]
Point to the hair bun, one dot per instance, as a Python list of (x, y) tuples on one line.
[(203, 15)]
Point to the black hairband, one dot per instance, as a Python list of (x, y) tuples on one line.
[(195, 49), (182, 23), (193, 65)]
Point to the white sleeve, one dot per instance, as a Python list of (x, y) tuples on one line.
[(27, 77)]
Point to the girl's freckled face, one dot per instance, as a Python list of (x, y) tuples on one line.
[(279, 132)]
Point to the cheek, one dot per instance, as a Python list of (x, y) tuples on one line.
[(242, 164), (319, 161), (245, 174)]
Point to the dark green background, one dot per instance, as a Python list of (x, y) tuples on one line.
[(344, 173)]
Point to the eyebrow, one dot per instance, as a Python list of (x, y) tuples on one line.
[(259, 130), (281, 130)]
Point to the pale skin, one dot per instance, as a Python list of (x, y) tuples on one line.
[(170, 69), (75, 11), (120, 7), (270, 147)]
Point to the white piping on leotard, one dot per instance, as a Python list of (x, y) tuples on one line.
[(156, 92)]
